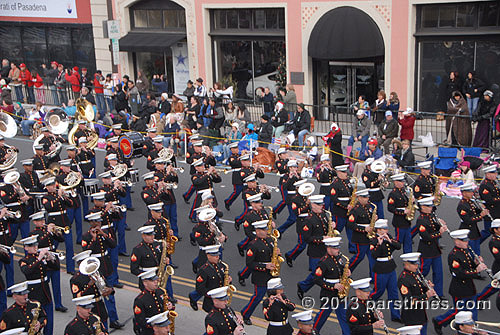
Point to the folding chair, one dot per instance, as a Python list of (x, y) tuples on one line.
[(446, 161)]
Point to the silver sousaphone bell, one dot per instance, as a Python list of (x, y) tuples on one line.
[(378, 166)]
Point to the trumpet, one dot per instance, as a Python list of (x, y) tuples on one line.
[(477, 329), (121, 208), (179, 169), (58, 229), (170, 186), (126, 183), (11, 214), (272, 188), (58, 254), (6, 248), (226, 171)]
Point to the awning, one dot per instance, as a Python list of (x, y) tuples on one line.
[(149, 42), (345, 33)]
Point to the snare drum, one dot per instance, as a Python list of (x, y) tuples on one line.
[(91, 186), (38, 201), (134, 175), (132, 144)]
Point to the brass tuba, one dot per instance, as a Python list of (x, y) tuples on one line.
[(90, 267), (57, 121), (72, 180), (10, 157), (165, 154), (84, 111), (119, 170), (8, 126)]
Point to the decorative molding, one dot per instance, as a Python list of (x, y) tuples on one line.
[(385, 12), (307, 13)]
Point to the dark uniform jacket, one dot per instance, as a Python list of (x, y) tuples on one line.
[(4, 258), (234, 162), (85, 162), (78, 326), (463, 271), (494, 246), (5, 234), (340, 194), (169, 197), (47, 142), (469, 215), (396, 204), (288, 182), (358, 220), (251, 217), (192, 156), (209, 276), (17, 316), (314, 227), (108, 219), (146, 305), (325, 178), (360, 320), (281, 165), (46, 239), (30, 181), (145, 255), (428, 229), (329, 269), (10, 197), (75, 201), (33, 269), (277, 311), (372, 182), (423, 187), (258, 254), (204, 236), (148, 146), (56, 209), (40, 163), (384, 250), (220, 321), (413, 291), (489, 191), (81, 286), (151, 195), (99, 249)]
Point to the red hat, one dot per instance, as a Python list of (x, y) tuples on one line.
[(54, 62), (84, 69), (75, 68), (373, 141), (22, 65)]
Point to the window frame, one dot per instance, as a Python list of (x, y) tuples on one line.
[(180, 13), (215, 30)]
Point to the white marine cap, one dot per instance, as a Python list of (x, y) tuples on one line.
[(94, 216), (27, 161), (146, 229), (211, 249), (398, 176), (197, 162), (198, 143), (117, 126), (361, 284), (149, 274), (324, 157), (70, 148), (464, 318), (30, 240), (304, 317), (83, 139), (244, 157), (105, 174), (495, 223), (38, 147), (159, 320), (490, 168), (306, 189), (317, 199), (159, 160), (412, 257), (428, 201), (262, 224), (206, 194), (207, 214), (255, 198), (281, 150), (274, 284), (468, 187), (156, 207), (98, 195), (111, 157), (82, 255), (234, 144), (20, 288), (250, 177), (381, 224), (342, 168), (363, 192), (333, 242), (409, 330), (49, 181), (460, 234), (65, 162), (292, 162), (40, 215), (219, 293), (149, 175), (369, 160), (299, 182), (194, 137), (15, 331), (85, 301), (158, 139), (425, 164)]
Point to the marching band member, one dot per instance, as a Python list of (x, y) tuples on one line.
[(116, 131), (304, 322), (6, 259), (470, 214), (374, 181), (74, 212), (340, 194), (84, 158), (166, 177), (384, 269), (464, 269), (430, 229), (49, 142), (20, 314), (40, 161), (82, 285), (327, 274), (276, 308), (363, 320), (359, 222), (494, 247), (110, 214), (150, 192), (48, 237), (3, 150), (15, 199), (289, 181), (210, 275), (82, 130), (203, 180), (193, 154), (414, 292), (99, 242), (325, 177), (489, 192), (258, 259), (153, 153), (206, 233), (465, 324), (121, 159), (55, 203), (314, 229), (424, 184), (161, 323), (85, 322), (251, 188), (34, 266), (397, 204), (236, 179), (281, 165), (75, 166), (151, 301), (30, 182), (148, 144), (222, 319)]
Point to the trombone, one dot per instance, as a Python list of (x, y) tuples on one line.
[(8, 249), (476, 329)]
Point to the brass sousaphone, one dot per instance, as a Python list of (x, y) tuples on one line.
[(84, 111), (57, 121)]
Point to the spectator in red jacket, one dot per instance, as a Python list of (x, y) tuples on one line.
[(25, 77), (99, 93), (407, 121), (38, 83), (74, 80)]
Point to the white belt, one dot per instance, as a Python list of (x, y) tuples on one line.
[(325, 184), (332, 281), (384, 259), (278, 323), (290, 192), (4, 232), (107, 226), (85, 162), (57, 213), (343, 199), (202, 191), (303, 215), (36, 281), (99, 255), (13, 204), (374, 189), (147, 269), (116, 202), (401, 208), (363, 225), (427, 194)]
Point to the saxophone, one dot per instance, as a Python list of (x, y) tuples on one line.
[(164, 270), (276, 259), (411, 204), (171, 317), (437, 192), (231, 288), (372, 234), (353, 200), (97, 325), (332, 232), (270, 230), (171, 240), (36, 314), (345, 280)]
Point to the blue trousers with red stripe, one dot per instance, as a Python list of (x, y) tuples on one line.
[(237, 189), (187, 195), (279, 207), (240, 217), (299, 247), (192, 213), (389, 282), (437, 272), (403, 236), (328, 203), (324, 313), (341, 222), (245, 272), (487, 292), (414, 231), (476, 246), (243, 243), (289, 221), (258, 295), (308, 283), (75, 214), (170, 211), (459, 304), (485, 233), (361, 251)]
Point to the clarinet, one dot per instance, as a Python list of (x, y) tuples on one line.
[(234, 318), (425, 282), (375, 313), (479, 204), (477, 259)]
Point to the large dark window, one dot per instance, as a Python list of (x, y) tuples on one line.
[(158, 15), (251, 19)]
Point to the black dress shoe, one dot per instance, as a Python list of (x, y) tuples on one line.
[(397, 320), (194, 221), (289, 260), (173, 265), (194, 304), (241, 251), (131, 209), (116, 325), (185, 200), (300, 292), (193, 242), (173, 300), (227, 206), (124, 254), (248, 322), (62, 309), (9, 295), (70, 272), (241, 280), (437, 328), (274, 215), (127, 228), (195, 269), (118, 285), (236, 226), (179, 238)]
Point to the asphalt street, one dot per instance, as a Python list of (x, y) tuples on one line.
[(184, 278)]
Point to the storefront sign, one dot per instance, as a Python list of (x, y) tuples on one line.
[(62, 9), (115, 47), (113, 29), (180, 62)]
